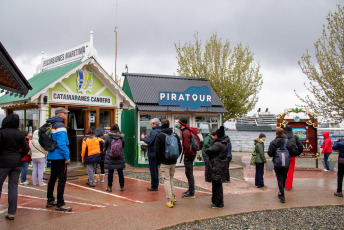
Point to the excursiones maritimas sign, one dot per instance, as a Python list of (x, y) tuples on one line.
[(193, 98)]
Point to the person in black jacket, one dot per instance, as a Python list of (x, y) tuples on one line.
[(113, 163), (13, 147), (281, 173), (217, 154), (167, 166)]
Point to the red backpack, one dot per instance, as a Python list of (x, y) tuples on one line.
[(116, 150)]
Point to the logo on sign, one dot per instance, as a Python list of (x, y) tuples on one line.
[(193, 98), (84, 81)]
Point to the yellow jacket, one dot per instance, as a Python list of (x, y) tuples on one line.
[(92, 147)]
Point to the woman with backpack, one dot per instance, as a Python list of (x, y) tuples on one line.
[(114, 159), (38, 160), (91, 150)]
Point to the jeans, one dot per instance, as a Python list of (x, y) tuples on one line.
[(217, 193), (207, 173), (13, 177), (58, 171), (24, 171), (90, 172), (340, 177), (281, 175), (120, 177), (38, 170), (326, 156), (228, 176), (101, 165), (154, 172), (188, 163), (259, 179), (167, 172)]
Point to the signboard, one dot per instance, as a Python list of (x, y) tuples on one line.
[(84, 99), (192, 97), (305, 129)]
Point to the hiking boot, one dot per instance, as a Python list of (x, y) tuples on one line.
[(152, 189), (214, 206), (188, 195), (51, 203), (101, 178), (264, 186), (95, 178), (169, 204), (9, 216), (282, 199), (338, 194), (63, 208), (122, 188), (227, 181), (109, 188)]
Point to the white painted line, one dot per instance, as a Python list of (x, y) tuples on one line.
[(42, 209), (106, 193)]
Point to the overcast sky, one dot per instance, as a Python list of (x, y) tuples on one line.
[(277, 32)]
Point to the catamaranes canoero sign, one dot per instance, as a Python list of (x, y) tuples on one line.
[(85, 99), (192, 97)]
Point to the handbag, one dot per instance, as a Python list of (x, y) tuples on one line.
[(253, 158), (341, 160)]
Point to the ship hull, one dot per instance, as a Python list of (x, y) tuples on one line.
[(255, 128)]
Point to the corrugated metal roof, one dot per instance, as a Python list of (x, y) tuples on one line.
[(145, 87), (40, 81), (160, 108)]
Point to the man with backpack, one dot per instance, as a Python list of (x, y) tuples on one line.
[(167, 148), (279, 150), (189, 157), (153, 166), (59, 158), (297, 149)]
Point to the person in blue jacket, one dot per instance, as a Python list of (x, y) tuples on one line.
[(59, 158), (339, 145), (153, 165)]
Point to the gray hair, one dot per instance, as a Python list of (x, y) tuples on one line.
[(155, 121)]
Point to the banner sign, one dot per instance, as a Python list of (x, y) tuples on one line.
[(193, 98), (84, 99)]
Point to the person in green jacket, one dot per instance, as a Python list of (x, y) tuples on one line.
[(207, 143), (260, 160)]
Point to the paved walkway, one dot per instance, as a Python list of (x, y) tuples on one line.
[(136, 208)]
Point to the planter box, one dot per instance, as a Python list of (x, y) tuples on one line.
[(331, 164)]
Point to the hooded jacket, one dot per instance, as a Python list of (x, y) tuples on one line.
[(59, 135), (91, 150), (111, 163), (277, 143), (207, 143), (327, 144), (159, 147), (37, 151), (217, 154), (151, 140), (186, 140), (339, 145), (259, 149), (11, 140)]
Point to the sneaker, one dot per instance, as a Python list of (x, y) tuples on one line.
[(109, 189), (282, 199), (122, 188), (338, 194), (214, 206), (325, 170), (227, 181), (51, 204), (169, 204), (44, 184), (174, 200), (188, 195), (91, 185), (24, 183), (264, 186), (9, 216), (152, 189), (63, 208)]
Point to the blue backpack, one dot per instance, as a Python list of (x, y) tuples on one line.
[(171, 146), (282, 156)]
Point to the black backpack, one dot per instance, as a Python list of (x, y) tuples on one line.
[(44, 137), (282, 157), (293, 145)]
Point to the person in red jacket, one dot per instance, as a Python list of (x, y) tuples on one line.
[(189, 157), (327, 149), (26, 160)]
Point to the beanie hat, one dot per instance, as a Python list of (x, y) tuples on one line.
[(279, 132), (220, 132), (288, 128), (261, 135), (183, 121)]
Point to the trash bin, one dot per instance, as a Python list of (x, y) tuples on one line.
[(331, 164)]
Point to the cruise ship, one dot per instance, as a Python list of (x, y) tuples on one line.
[(262, 121)]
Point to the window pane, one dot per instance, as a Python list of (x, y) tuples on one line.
[(145, 127), (32, 120), (206, 124), (21, 118), (104, 119)]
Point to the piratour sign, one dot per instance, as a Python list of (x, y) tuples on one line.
[(192, 97)]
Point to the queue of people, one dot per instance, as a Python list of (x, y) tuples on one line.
[(164, 148)]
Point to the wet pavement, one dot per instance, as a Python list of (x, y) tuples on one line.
[(137, 208)]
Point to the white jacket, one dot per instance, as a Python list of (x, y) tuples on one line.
[(36, 148)]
